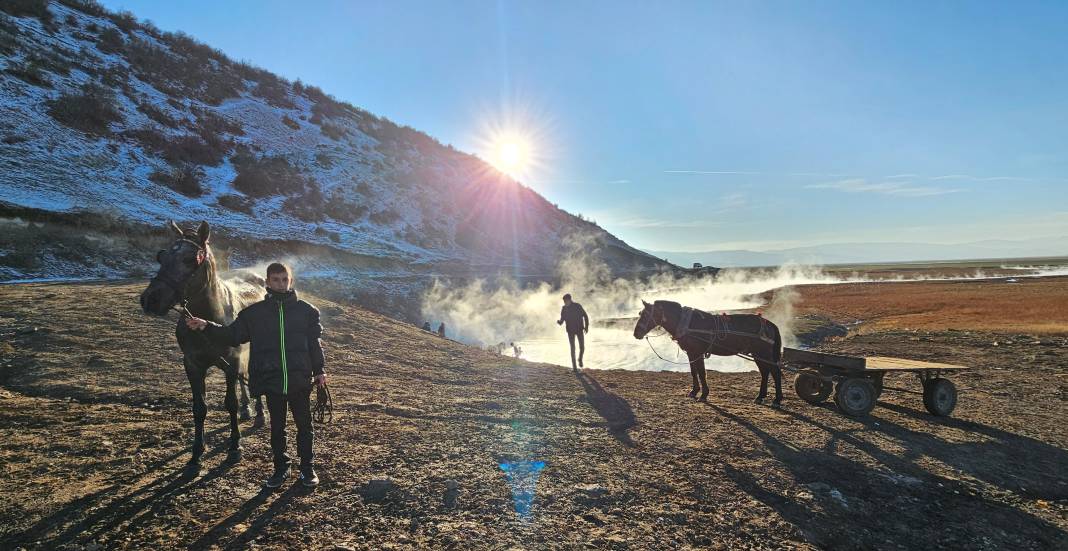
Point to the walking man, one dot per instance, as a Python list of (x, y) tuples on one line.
[(577, 325), (286, 355)]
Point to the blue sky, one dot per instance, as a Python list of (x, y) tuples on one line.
[(694, 126)]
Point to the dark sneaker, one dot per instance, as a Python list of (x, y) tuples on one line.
[(308, 477), (277, 479)]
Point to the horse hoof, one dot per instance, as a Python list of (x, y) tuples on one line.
[(703, 399), (233, 456), (758, 401), (693, 394), (245, 415), (776, 405), (259, 421)]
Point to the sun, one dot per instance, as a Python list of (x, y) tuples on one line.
[(515, 140), (511, 155)]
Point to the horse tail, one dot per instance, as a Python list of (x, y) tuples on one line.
[(776, 342), (776, 348)]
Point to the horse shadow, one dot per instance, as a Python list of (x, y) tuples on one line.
[(611, 407), (1012, 462), (135, 507), (861, 488)]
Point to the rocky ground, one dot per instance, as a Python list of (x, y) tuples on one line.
[(95, 429)]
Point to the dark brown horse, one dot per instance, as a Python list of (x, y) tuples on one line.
[(187, 275), (701, 334)]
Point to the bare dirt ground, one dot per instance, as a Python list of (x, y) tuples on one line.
[(95, 429)]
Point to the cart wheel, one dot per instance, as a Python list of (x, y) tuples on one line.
[(811, 388), (939, 396), (855, 397)]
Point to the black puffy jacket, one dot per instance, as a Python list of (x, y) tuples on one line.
[(285, 350)]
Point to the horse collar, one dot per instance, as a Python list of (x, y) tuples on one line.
[(683, 326)]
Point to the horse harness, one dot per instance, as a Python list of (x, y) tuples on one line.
[(721, 326)]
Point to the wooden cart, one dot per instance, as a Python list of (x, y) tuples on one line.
[(857, 382)]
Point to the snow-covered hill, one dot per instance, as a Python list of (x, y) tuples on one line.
[(105, 114)]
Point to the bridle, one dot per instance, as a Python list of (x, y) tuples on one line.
[(652, 322), (179, 286)]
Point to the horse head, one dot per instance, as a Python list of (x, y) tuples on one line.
[(178, 265), (646, 320)]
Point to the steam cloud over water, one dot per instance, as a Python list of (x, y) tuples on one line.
[(484, 314)]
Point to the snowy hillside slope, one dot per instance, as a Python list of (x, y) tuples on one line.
[(105, 114)]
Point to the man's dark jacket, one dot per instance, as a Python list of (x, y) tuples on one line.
[(575, 318), (285, 348)]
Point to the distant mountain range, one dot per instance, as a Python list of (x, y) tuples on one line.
[(857, 253)]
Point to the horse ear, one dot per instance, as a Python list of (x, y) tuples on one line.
[(204, 233), (174, 227), (645, 304)]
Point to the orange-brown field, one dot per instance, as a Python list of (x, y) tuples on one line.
[(1030, 305)]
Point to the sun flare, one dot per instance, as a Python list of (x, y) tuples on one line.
[(516, 141), (511, 155)]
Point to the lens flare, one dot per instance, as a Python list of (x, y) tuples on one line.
[(511, 155), (516, 139)]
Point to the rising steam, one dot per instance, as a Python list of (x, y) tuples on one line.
[(485, 314)]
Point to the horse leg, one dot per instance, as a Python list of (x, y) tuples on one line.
[(776, 371), (259, 412), (763, 383), (693, 373), (704, 383), (234, 452), (196, 376), (244, 410)]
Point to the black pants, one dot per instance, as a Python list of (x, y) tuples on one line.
[(582, 345), (299, 403)]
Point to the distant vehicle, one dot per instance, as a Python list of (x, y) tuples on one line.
[(697, 265)]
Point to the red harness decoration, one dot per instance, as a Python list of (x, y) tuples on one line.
[(201, 255)]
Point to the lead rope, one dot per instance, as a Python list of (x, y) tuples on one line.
[(324, 405)]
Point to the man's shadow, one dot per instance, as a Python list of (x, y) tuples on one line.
[(224, 527), (614, 409)]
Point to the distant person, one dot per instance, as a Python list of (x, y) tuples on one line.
[(285, 360), (516, 351), (577, 323), (426, 326), (441, 330)]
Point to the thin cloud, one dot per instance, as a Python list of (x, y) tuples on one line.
[(619, 182), (979, 178), (751, 173), (901, 189), (710, 172), (659, 223)]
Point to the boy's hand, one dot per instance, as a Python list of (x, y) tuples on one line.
[(195, 323), (320, 380)]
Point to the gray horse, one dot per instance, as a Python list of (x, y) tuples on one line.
[(187, 275)]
